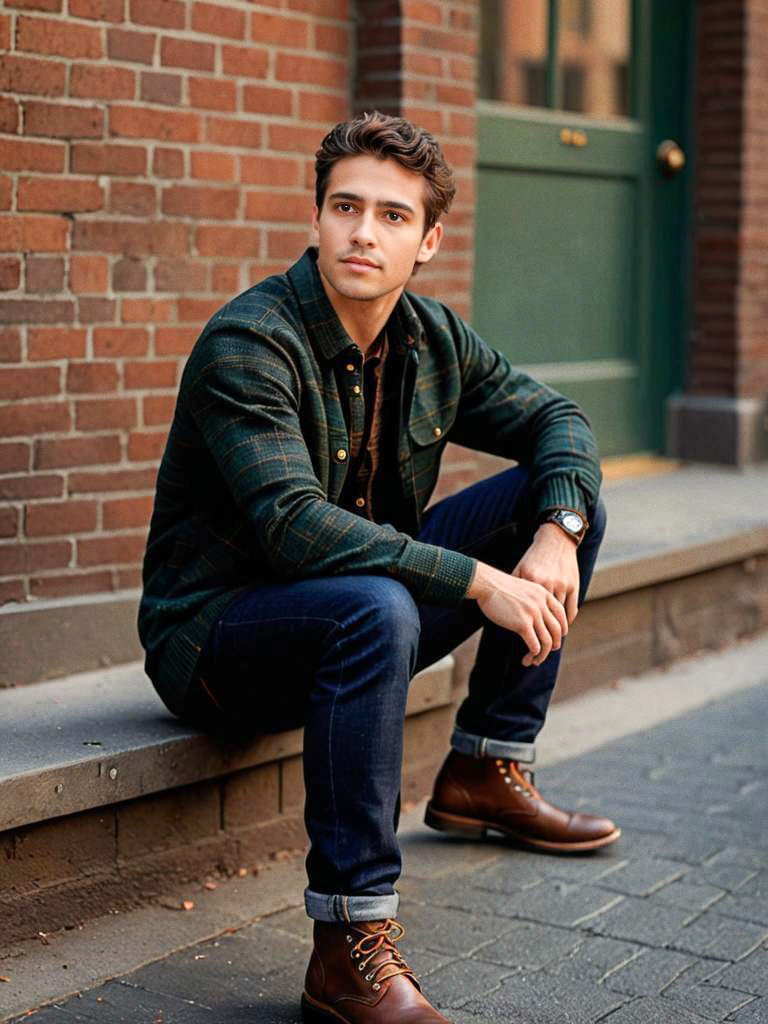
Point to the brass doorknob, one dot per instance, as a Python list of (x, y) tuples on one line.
[(669, 158)]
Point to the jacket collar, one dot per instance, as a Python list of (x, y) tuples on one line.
[(324, 325)]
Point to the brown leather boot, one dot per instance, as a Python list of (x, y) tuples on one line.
[(475, 795), (357, 975)]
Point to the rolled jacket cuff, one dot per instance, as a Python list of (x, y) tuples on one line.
[(334, 908), (484, 746)]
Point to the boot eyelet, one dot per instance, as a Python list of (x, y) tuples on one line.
[(349, 938), (369, 977), (376, 986), (508, 780), (353, 954), (361, 967), (518, 789)]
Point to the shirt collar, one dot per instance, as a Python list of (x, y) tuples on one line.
[(323, 323)]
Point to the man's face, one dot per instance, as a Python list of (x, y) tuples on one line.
[(370, 231)]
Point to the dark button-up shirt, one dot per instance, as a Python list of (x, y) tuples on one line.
[(249, 485)]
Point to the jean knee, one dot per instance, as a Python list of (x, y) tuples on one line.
[(393, 609), (599, 519)]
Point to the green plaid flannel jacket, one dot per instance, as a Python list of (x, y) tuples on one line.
[(257, 455)]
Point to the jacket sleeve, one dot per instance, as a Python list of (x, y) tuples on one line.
[(504, 411), (243, 395)]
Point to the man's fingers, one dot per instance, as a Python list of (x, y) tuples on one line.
[(571, 605), (556, 608), (531, 641), (545, 638)]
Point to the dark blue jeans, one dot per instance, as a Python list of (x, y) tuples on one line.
[(337, 654)]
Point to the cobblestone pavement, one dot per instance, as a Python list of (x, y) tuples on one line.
[(669, 926)]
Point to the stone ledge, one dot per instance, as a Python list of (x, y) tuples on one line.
[(105, 737)]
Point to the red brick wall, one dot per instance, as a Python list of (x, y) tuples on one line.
[(155, 159), (729, 349)]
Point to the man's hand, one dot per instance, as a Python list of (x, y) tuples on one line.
[(539, 599), (551, 562)]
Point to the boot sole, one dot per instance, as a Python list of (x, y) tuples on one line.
[(313, 1012), (473, 828)]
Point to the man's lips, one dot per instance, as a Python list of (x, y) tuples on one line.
[(360, 261)]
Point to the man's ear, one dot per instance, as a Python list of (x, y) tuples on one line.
[(430, 243), (315, 225)]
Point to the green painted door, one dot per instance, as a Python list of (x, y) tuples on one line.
[(580, 222)]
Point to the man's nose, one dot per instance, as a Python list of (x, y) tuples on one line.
[(363, 229)]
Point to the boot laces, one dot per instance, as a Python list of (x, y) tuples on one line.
[(381, 942), (511, 770)]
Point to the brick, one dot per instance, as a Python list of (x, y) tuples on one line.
[(212, 166), (34, 234), (276, 206), (135, 47), (120, 341), (90, 81), (172, 341), (244, 61), (157, 410), (161, 87), (168, 163), (9, 115), (146, 446), (12, 590), (14, 457), (212, 93), (5, 32), (6, 192), (17, 558), (62, 849), (217, 20), (60, 195), (197, 310), (225, 277), (35, 485), (44, 274), (62, 120), (36, 5), (184, 53), (96, 310), (33, 418), (130, 578), (54, 518), (315, 71), (132, 199), (332, 39), (327, 108), (32, 75), (289, 245), (88, 274), (249, 794), (10, 273), (28, 382), (124, 513), (168, 125), (293, 138), (180, 276), (113, 480), (105, 413), (89, 158), (20, 155), (91, 376), (129, 276), (131, 238), (269, 170), (160, 13), (71, 584), (24, 311), (97, 10), (146, 310), (263, 99), (10, 345), (167, 820), (228, 241), (280, 30), (58, 38), (77, 451), (201, 202), (55, 343), (9, 522), (232, 132), (150, 374)]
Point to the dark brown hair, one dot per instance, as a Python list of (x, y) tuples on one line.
[(381, 135)]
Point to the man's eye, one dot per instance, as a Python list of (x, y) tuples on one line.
[(344, 207), (397, 216)]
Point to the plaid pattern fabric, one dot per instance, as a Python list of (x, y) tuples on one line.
[(258, 450)]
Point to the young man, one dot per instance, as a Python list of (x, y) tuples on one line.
[(293, 576)]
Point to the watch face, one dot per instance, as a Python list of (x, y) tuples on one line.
[(573, 522)]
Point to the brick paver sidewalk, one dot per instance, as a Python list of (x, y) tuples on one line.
[(669, 926)]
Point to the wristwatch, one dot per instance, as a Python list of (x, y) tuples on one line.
[(570, 522)]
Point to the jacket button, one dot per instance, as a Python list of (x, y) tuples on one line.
[(341, 454), (356, 389), (359, 502), (351, 367), (438, 431)]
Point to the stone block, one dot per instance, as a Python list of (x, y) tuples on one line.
[(595, 958), (523, 997), (720, 937), (270, 837), (426, 735), (291, 785), (56, 851), (656, 1010), (457, 982), (749, 975), (648, 973), (177, 818), (642, 876), (560, 903), (641, 921), (251, 796)]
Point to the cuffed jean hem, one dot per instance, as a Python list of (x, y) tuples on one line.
[(483, 746), (324, 907)]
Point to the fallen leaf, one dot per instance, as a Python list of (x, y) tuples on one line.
[(242, 872), (4, 977), (188, 905), (210, 886)]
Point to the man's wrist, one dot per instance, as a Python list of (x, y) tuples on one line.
[(570, 522)]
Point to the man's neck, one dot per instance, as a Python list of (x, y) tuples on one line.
[(363, 320)]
